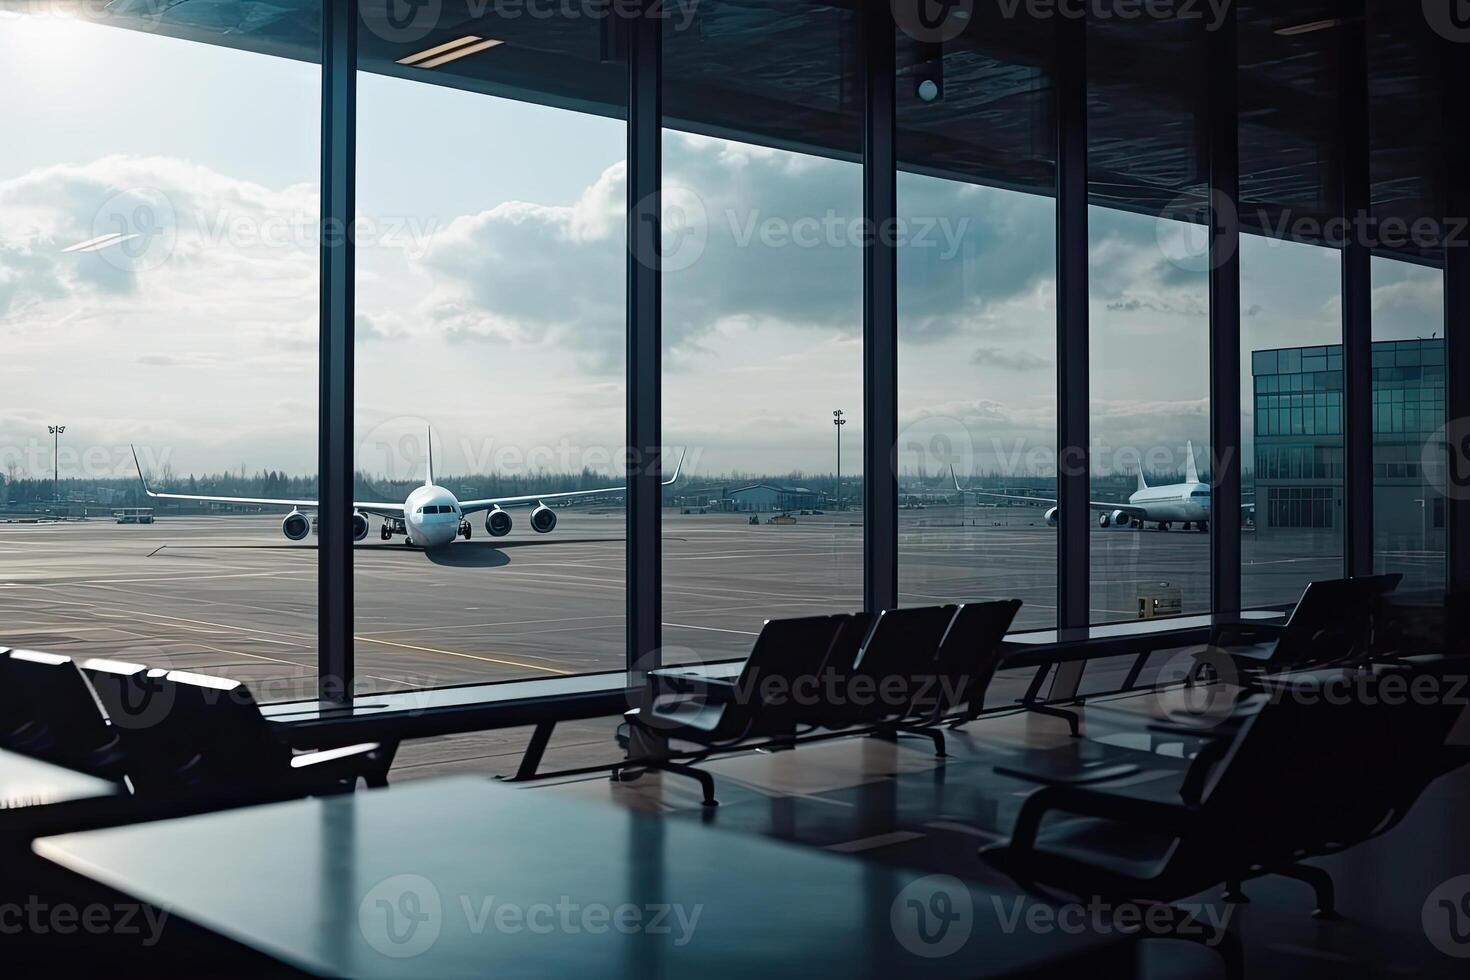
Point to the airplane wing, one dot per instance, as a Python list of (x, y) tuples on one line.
[(1132, 510), (530, 499), (367, 507)]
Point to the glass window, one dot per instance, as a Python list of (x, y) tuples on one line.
[(762, 324), (1149, 307), (1291, 292), (977, 333), (1408, 453), (490, 312), (158, 286)]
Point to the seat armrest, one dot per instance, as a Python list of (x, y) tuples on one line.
[(1078, 777), (1192, 731), (322, 768), (1167, 818), (1240, 634), (304, 760)]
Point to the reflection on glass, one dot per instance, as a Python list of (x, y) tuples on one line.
[(158, 287), (977, 398), (490, 343), (1409, 423), (1149, 361), (762, 326), (1291, 430)]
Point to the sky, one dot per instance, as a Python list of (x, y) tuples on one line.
[(490, 286)]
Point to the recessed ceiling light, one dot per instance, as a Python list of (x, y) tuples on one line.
[(442, 54), (1311, 28)]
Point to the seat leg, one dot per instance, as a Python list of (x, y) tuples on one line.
[(705, 780), (1073, 720), (1234, 894), (535, 749), (377, 776), (1322, 887), (932, 734)]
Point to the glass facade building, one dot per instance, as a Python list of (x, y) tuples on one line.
[(1299, 448)]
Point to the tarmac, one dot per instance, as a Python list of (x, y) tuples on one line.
[(230, 595)]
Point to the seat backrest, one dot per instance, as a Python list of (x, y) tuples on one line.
[(1297, 765), (903, 638), (898, 660), (836, 671), (970, 652), (50, 712), (186, 731), (780, 675), (1327, 621), (228, 726)]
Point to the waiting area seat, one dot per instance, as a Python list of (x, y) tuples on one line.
[(167, 735), (1332, 622), (1320, 762), (184, 732), (908, 672), (48, 711)]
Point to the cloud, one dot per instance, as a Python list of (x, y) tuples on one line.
[(1014, 360), (778, 238)]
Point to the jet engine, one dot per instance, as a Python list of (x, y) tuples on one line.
[(359, 525), (543, 519), (497, 523), (296, 525), (1122, 519), (1051, 517)]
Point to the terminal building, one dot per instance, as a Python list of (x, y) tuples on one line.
[(1298, 427), (667, 260)]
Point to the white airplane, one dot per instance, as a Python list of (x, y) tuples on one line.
[(1187, 503), (431, 517)]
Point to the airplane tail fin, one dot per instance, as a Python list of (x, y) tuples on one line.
[(1191, 471), (956, 479), (429, 456), (141, 478), (1142, 483), (677, 468)]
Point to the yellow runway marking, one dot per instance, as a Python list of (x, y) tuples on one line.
[(467, 656)]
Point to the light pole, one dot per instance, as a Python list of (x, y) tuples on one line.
[(839, 422), (56, 431)]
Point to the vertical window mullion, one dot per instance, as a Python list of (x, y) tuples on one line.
[(335, 668)]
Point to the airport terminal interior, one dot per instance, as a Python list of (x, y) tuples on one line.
[(693, 488)]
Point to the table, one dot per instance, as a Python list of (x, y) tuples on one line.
[(33, 792), (463, 876)]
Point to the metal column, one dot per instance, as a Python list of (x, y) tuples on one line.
[(335, 397), (1225, 407), (1357, 293), (880, 316), (644, 334)]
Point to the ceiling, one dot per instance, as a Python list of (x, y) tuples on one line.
[(787, 73)]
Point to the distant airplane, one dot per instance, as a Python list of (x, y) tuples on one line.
[(431, 517), (1188, 503)]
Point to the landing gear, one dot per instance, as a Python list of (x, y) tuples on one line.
[(385, 534), (1164, 525), (407, 541), (1203, 527), (1188, 526), (464, 529)]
